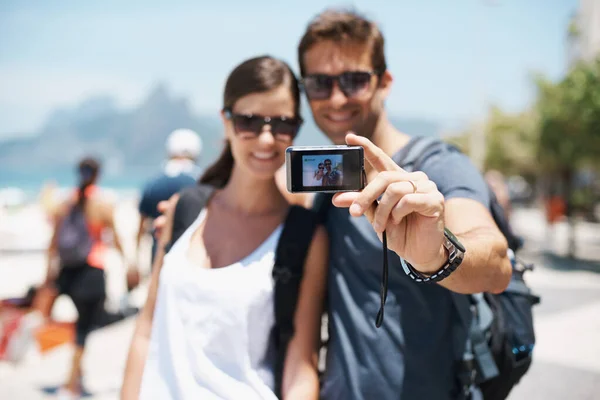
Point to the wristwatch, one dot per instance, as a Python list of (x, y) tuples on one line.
[(456, 253)]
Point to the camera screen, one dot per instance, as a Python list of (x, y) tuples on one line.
[(325, 168)]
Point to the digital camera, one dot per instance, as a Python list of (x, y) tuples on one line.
[(327, 169)]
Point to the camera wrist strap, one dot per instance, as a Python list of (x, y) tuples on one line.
[(384, 282)]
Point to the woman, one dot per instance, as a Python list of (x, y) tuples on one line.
[(76, 262), (205, 328), (318, 177)]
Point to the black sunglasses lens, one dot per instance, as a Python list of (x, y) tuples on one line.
[(287, 127), (318, 87), (353, 83), (247, 124)]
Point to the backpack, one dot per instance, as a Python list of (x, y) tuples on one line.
[(291, 252), (501, 334), (74, 242)]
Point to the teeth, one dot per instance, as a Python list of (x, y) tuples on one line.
[(340, 116), (264, 156)]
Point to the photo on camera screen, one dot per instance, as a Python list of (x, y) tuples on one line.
[(322, 170)]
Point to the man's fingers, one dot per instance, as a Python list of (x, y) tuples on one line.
[(426, 204), (347, 199), (392, 195), (163, 206), (158, 224), (373, 154), (344, 199)]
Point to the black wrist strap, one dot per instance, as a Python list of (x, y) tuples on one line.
[(384, 282), (439, 275)]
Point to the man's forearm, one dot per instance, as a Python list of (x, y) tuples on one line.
[(485, 267)]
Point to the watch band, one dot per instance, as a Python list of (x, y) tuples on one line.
[(455, 257)]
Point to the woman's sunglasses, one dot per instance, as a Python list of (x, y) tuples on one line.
[(351, 83), (249, 124)]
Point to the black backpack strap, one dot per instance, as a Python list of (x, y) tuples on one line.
[(191, 201), (514, 242), (478, 362), (321, 206), (290, 256)]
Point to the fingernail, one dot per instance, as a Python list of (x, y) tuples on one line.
[(377, 227), (355, 209)]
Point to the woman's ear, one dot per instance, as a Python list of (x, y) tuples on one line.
[(227, 125)]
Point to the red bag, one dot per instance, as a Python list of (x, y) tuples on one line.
[(25, 322)]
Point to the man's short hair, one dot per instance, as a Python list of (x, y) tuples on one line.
[(344, 26)]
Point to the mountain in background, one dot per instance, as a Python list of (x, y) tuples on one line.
[(130, 143)]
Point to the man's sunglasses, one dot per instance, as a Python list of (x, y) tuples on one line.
[(249, 124), (351, 83)]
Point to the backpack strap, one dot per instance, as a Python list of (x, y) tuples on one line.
[(514, 242), (321, 206), (290, 256), (411, 156), (191, 201)]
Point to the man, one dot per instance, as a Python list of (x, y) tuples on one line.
[(332, 176), (183, 148), (414, 353)]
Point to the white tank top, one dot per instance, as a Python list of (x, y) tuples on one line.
[(211, 327)]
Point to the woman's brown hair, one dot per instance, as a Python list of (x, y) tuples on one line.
[(256, 75)]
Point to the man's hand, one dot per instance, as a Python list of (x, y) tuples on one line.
[(164, 207), (410, 208)]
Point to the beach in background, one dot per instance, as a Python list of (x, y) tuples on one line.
[(25, 232)]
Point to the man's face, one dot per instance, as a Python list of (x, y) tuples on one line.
[(328, 165), (357, 110)]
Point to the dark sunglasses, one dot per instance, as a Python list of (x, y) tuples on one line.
[(321, 167), (351, 83), (253, 124)]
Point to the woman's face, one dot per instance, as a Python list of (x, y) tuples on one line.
[(258, 146), (320, 170)]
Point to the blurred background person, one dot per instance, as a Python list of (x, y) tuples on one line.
[(76, 261), (183, 149)]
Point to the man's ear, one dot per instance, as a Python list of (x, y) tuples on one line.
[(385, 83)]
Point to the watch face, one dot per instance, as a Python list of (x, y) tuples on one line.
[(454, 240)]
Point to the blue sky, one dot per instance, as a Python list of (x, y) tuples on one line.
[(449, 57)]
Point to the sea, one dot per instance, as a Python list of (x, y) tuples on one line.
[(19, 190)]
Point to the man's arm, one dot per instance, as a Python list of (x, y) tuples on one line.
[(413, 212), (485, 267)]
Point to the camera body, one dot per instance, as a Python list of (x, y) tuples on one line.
[(325, 169)]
